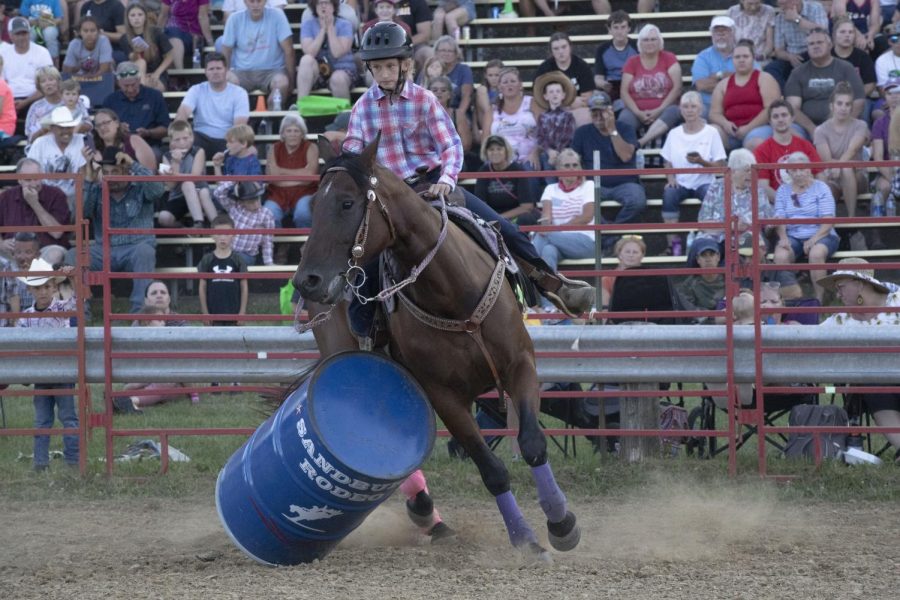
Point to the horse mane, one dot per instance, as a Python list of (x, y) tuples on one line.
[(354, 166)]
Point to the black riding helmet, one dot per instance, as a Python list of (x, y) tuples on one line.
[(385, 39)]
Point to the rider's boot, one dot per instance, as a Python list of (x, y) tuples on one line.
[(571, 296)]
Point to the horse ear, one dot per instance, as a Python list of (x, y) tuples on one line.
[(326, 150), (370, 151)]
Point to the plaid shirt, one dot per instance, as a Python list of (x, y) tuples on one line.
[(58, 305), (133, 211), (789, 36), (245, 219), (556, 129), (415, 131)]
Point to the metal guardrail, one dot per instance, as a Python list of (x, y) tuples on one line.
[(262, 354)]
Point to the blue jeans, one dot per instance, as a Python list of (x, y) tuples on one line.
[(674, 196), (129, 258), (632, 198), (302, 215), (51, 39), (250, 260), (829, 241), (43, 419), (555, 245), (780, 70)]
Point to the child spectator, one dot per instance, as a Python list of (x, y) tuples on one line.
[(742, 308), (385, 10), (26, 248), (71, 98), (239, 157), (242, 202), (554, 93), (223, 296), (702, 292), (45, 290), (611, 55), (134, 404), (89, 55), (431, 70), (487, 94), (184, 158)]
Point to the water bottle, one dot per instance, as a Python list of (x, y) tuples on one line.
[(890, 206), (877, 207), (196, 58), (276, 99), (264, 127), (639, 159)]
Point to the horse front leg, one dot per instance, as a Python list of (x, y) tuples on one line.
[(562, 527), (421, 511), (454, 412)]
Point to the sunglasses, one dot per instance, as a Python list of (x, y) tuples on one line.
[(796, 200), (570, 166), (128, 73), (894, 39)]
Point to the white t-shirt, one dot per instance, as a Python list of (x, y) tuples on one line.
[(569, 205), (678, 143), (19, 69), (53, 160)]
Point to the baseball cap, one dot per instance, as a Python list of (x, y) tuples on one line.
[(599, 100), (19, 24), (340, 123), (892, 83), (721, 21)]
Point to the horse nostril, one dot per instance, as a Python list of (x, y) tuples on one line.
[(311, 282)]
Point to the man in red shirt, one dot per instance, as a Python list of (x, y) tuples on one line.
[(784, 141), (33, 203)]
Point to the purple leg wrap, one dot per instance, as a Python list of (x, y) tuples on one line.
[(519, 531), (551, 498)]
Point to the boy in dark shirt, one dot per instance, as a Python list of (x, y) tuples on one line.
[(223, 295)]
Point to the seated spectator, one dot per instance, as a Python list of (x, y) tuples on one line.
[(742, 308), (433, 68), (712, 209), (514, 118), (385, 10), (616, 141), (865, 18), (63, 151), (21, 61), (796, 20), (856, 288), (629, 250), (714, 63), (611, 55), (575, 68), (602, 7), (239, 157), (109, 16), (7, 108), (740, 103), (26, 248), (755, 21), (216, 106), (292, 155), (887, 65), (90, 54), (785, 281), (48, 83), (185, 197), (183, 22), (33, 203), (442, 88), (512, 197), (693, 144), (553, 94), (327, 43), (770, 296), (842, 35), (71, 99), (140, 107), (811, 102), (146, 46), (800, 196), (223, 295), (46, 17), (110, 132), (446, 49), (157, 297), (258, 47), (702, 292), (450, 15), (242, 202), (487, 94), (347, 10), (841, 138), (131, 206), (883, 149), (569, 202), (786, 139), (229, 7), (651, 87)]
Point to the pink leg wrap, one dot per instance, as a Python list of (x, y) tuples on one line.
[(414, 484)]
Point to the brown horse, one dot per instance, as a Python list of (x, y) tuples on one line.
[(456, 327)]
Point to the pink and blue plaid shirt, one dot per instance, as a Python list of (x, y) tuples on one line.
[(57, 305), (415, 131)]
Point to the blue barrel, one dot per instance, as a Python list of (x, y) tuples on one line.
[(338, 447)]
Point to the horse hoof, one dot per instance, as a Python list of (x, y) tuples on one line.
[(535, 554), (442, 533), (564, 535)]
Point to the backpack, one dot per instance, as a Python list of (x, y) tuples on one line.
[(672, 417), (800, 445)]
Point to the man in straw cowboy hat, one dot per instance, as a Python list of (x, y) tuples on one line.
[(554, 93), (47, 299), (62, 151)]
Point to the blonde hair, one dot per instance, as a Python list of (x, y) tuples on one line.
[(241, 133), (179, 126), (70, 85), (629, 239), (742, 307), (566, 152)]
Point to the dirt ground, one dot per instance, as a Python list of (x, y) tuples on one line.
[(671, 542)]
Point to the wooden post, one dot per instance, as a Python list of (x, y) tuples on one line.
[(639, 413)]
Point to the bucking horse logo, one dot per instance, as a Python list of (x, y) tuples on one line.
[(314, 513)]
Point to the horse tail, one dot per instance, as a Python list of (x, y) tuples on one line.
[(272, 401)]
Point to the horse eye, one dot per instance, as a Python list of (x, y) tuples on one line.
[(347, 204)]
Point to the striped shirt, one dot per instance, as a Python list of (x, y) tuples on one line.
[(415, 131), (58, 305), (246, 219), (815, 202), (569, 205)]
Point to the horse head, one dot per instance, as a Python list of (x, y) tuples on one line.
[(343, 235)]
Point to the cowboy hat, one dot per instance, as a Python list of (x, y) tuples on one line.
[(39, 265), (247, 190), (553, 77), (830, 282), (61, 116)]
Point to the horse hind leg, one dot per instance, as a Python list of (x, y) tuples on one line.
[(421, 511)]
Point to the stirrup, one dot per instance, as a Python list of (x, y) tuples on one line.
[(573, 297)]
